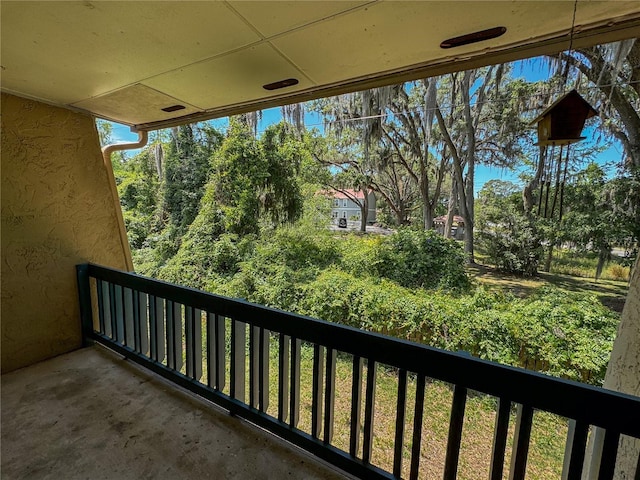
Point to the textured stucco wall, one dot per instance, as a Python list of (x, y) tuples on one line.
[(57, 211), (623, 371), (623, 375)]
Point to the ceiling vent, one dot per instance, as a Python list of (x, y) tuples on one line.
[(281, 84), (173, 108)]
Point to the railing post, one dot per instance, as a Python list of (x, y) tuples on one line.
[(84, 295), (575, 450), (130, 311), (522, 434), (455, 432), (238, 358), (401, 408), (571, 430), (316, 401), (283, 377), (501, 430)]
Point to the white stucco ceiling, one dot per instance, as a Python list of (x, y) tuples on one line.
[(127, 60)]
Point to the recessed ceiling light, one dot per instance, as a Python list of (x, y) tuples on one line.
[(474, 37), (173, 108), (281, 84)]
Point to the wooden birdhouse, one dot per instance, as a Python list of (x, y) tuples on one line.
[(563, 121)]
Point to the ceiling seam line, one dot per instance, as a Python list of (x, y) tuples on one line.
[(245, 21), (313, 23), (293, 64), (151, 77), (355, 84)]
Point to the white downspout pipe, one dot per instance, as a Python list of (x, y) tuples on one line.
[(107, 150)]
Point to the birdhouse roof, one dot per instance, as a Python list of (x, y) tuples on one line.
[(566, 101)]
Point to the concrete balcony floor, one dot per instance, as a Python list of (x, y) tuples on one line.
[(90, 414)]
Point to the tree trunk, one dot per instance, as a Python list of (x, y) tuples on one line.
[(401, 215), (428, 214), (604, 255), (158, 154), (364, 210), (527, 194), (622, 376), (453, 198), (470, 208), (548, 258), (467, 186)]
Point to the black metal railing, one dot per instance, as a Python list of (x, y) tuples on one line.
[(199, 341)]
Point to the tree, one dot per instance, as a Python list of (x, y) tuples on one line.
[(254, 179), (614, 69), (105, 131), (139, 191), (395, 185), (350, 117), (509, 237), (476, 132), (622, 194), (409, 133), (186, 171), (294, 115), (602, 213)]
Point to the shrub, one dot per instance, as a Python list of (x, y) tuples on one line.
[(617, 272), (565, 334), (196, 259), (422, 258), (360, 255), (512, 246)]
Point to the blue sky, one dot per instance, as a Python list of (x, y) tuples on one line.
[(532, 70)]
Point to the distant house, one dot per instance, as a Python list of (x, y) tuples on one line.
[(457, 227), (344, 207)]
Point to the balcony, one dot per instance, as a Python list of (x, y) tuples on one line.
[(90, 414)]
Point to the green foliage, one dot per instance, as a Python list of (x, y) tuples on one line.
[(513, 245), (281, 197), (567, 335), (360, 256), (138, 188), (257, 179), (186, 172), (602, 213), (562, 334), (195, 260), (509, 237), (422, 258)]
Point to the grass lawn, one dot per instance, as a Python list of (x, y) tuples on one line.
[(548, 434), (547, 437), (611, 293)]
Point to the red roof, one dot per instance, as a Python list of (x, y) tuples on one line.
[(352, 193)]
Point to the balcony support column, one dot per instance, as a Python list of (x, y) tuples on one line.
[(622, 375)]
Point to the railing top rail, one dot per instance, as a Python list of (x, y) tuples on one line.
[(594, 405)]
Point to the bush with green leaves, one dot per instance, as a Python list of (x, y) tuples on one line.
[(402, 285), (195, 260), (422, 258), (509, 237), (569, 335), (512, 245), (559, 333)]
